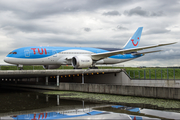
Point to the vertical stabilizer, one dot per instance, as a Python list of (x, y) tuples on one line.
[(133, 42)]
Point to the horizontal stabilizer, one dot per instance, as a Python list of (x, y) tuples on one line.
[(146, 52)]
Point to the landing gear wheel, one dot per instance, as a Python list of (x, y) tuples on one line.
[(21, 69), (77, 68), (93, 67), (20, 66)]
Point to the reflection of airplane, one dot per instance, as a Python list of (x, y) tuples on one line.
[(142, 114), (76, 114), (132, 109), (78, 57), (55, 115)]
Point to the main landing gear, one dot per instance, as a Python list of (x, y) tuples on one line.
[(89, 68), (77, 68), (20, 67)]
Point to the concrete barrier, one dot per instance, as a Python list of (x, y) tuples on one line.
[(143, 91)]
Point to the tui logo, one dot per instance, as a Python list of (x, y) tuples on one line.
[(134, 43)]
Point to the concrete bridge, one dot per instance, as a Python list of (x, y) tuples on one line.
[(110, 81)]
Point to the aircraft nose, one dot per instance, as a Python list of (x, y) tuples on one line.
[(6, 59)]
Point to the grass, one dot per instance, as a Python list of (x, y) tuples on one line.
[(154, 73), (118, 99), (24, 67)]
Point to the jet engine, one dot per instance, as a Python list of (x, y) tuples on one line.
[(51, 66), (81, 61)]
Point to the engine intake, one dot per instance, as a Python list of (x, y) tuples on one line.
[(81, 61)]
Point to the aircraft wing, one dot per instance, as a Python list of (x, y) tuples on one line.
[(124, 51)]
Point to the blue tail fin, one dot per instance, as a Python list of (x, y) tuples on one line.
[(133, 42)]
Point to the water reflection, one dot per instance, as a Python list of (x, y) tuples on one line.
[(96, 112), (57, 100), (77, 114), (47, 99), (37, 97), (53, 115), (35, 106), (13, 101)]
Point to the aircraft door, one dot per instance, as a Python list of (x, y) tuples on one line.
[(26, 53), (54, 53)]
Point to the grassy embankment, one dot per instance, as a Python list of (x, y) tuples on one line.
[(136, 73), (154, 73), (118, 99)]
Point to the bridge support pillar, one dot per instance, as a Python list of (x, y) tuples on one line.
[(57, 80), (46, 80), (37, 79), (83, 78)]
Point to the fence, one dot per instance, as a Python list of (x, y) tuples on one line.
[(155, 74)]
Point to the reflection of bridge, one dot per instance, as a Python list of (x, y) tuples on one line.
[(63, 109), (110, 81)]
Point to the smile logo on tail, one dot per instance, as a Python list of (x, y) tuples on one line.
[(133, 42)]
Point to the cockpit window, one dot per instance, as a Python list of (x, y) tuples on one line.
[(13, 53)]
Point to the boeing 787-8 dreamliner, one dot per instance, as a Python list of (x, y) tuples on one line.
[(79, 57)]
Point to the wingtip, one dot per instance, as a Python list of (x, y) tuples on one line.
[(173, 43), (167, 44)]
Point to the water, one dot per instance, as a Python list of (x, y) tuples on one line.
[(32, 104)]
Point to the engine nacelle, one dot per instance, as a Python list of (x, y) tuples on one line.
[(81, 61), (51, 66)]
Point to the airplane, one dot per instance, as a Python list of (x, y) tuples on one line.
[(79, 57)]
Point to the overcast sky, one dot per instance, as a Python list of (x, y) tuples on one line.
[(92, 23)]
